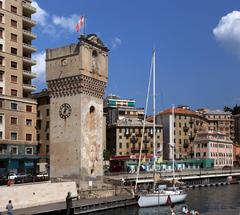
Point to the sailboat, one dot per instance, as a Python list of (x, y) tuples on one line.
[(171, 194)]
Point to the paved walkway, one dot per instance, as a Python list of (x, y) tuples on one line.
[(62, 205)]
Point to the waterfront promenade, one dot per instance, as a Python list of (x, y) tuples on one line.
[(79, 206)]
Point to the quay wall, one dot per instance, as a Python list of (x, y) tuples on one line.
[(29, 195)]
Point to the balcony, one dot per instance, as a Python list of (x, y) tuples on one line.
[(29, 35), (28, 22), (29, 74), (29, 61), (28, 8), (29, 87), (29, 48)]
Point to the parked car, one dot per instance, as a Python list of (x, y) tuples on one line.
[(42, 174), (22, 175), (12, 176)]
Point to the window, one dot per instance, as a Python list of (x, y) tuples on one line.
[(1, 61), (13, 78), (47, 124), (120, 145), (13, 120), (1, 18), (47, 149), (39, 123), (47, 112), (28, 137), (13, 51), (14, 150), (1, 119), (14, 37), (1, 103), (13, 135), (38, 113), (1, 33), (1, 47), (13, 23), (13, 65), (13, 92), (1, 5), (29, 122), (38, 137), (29, 151), (13, 106), (29, 108), (13, 9), (1, 90), (1, 135), (47, 136)]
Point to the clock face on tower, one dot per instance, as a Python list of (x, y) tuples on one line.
[(65, 110)]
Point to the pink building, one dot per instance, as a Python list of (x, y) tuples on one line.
[(214, 145)]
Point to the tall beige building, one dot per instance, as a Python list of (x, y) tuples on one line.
[(17, 109), (187, 124)]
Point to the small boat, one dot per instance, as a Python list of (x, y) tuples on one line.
[(166, 196)]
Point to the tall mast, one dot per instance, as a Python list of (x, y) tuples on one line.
[(144, 121), (154, 110), (173, 146), (154, 118)]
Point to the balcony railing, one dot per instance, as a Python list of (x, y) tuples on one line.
[(29, 60), (29, 87), (27, 5), (29, 34), (29, 74), (29, 47), (29, 20)]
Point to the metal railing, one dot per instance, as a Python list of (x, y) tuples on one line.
[(29, 46), (29, 33), (28, 5), (29, 20)]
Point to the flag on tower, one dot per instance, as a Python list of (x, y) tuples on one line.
[(80, 23)]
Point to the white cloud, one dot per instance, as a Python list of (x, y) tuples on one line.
[(67, 23), (116, 42), (41, 15), (40, 69), (227, 32)]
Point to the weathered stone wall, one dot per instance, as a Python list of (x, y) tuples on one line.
[(30, 195), (76, 142)]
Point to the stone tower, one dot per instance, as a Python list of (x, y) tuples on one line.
[(77, 76)]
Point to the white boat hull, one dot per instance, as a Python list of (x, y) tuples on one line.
[(155, 199)]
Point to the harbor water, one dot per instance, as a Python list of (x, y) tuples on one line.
[(219, 200)]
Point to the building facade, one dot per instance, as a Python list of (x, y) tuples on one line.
[(220, 121), (214, 145), (77, 75), (125, 129), (43, 128), (18, 146), (187, 124), (237, 128)]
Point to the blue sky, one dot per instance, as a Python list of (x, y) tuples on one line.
[(197, 45)]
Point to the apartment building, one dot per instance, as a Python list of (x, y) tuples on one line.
[(43, 131), (18, 144), (237, 128), (186, 124), (219, 121), (214, 145), (125, 129)]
